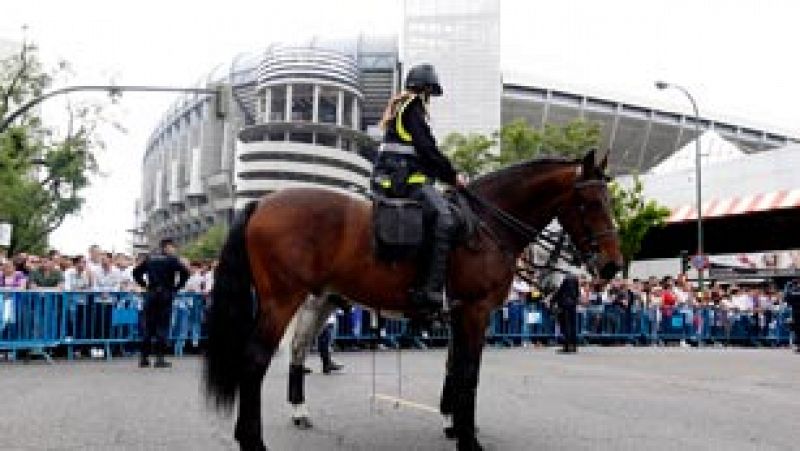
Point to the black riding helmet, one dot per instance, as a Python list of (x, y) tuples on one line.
[(423, 76)]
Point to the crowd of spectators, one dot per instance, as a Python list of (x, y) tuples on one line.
[(98, 271), (97, 283), (623, 305), (667, 292)]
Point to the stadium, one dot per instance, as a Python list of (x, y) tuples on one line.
[(306, 114)]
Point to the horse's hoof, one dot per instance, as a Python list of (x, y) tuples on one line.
[(469, 444), (302, 423), (451, 434), (253, 446)]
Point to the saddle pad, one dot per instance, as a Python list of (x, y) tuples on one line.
[(399, 227)]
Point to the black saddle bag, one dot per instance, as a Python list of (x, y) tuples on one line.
[(399, 227)]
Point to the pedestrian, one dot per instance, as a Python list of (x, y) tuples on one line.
[(162, 269), (791, 295), (566, 298), (324, 342)]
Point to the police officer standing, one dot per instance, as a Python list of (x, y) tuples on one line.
[(791, 294), (162, 275), (566, 298), (409, 164)]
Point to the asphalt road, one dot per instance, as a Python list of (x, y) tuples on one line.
[(529, 398)]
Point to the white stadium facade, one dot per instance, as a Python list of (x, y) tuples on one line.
[(306, 114)]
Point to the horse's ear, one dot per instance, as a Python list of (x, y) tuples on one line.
[(589, 163), (604, 162)]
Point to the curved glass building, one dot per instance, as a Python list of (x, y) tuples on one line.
[(296, 115)]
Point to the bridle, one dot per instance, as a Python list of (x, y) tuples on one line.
[(591, 239), (555, 241)]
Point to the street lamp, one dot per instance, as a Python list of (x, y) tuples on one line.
[(220, 93), (699, 199)]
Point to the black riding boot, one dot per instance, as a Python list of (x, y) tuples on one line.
[(431, 294)]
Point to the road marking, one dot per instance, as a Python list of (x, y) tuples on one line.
[(405, 402)]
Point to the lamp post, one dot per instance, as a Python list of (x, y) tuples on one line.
[(218, 92), (698, 172)]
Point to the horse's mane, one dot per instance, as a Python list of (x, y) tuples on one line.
[(526, 165)]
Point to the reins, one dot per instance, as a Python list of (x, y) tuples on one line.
[(512, 223), (530, 234)]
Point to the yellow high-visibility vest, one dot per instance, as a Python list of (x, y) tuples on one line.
[(401, 131)]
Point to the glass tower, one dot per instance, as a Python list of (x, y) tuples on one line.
[(462, 39)]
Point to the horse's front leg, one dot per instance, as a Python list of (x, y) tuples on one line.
[(468, 326), (310, 320), (446, 404)]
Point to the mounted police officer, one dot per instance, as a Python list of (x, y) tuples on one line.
[(162, 274), (791, 294), (408, 165)]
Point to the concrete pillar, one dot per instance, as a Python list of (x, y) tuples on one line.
[(288, 103), (315, 105), (356, 122), (340, 109), (267, 104)]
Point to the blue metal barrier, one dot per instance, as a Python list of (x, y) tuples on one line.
[(30, 320), (39, 321), (518, 323)]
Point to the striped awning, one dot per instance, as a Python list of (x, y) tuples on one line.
[(741, 205)]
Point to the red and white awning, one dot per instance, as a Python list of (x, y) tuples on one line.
[(741, 205)]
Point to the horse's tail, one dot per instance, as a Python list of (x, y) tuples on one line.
[(231, 317)]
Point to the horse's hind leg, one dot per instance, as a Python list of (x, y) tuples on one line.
[(248, 425), (274, 315), (310, 320)]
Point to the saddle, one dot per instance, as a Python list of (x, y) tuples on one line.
[(400, 231)]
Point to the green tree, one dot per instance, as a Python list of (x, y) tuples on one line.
[(570, 140), (471, 154), (207, 245), (42, 173), (634, 216), (518, 141)]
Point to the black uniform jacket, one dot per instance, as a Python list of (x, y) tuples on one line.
[(161, 271), (431, 161), (568, 293)]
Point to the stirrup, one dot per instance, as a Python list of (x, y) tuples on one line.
[(427, 300)]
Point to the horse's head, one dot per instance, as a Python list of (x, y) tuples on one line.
[(585, 214)]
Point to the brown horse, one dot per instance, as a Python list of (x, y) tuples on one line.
[(300, 241)]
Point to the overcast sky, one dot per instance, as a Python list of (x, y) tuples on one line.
[(739, 59)]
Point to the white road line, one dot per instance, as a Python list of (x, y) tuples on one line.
[(404, 402)]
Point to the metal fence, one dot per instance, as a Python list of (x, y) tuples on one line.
[(517, 323), (42, 321)]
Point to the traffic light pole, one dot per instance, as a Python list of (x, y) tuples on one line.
[(112, 90)]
